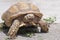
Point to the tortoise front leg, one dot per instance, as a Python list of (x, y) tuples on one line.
[(44, 26), (14, 28)]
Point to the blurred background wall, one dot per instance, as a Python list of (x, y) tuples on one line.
[(47, 7)]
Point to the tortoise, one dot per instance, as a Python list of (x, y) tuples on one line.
[(23, 14)]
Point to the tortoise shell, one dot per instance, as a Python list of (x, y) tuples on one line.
[(18, 10)]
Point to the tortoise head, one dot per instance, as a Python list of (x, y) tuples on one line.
[(29, 17)]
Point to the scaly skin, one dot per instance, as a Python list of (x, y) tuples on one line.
[(14, 28), (44, 26), (18, 23)]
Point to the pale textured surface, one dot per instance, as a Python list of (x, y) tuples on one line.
[(47, 7), (53, 34)]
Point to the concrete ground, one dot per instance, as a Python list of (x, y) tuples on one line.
[(53, 34)]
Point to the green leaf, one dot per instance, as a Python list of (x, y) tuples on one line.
[(50, 19)]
